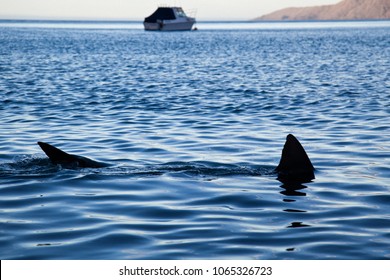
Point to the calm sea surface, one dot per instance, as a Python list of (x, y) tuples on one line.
[(193, 124)]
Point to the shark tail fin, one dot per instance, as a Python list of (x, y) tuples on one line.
[(56, 155), (294, 164)]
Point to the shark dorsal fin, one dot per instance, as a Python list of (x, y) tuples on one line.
[(56, 155), (294, 164)]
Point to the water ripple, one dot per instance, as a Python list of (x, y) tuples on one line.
[(193, 128)]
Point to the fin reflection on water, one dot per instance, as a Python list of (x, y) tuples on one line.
[(293, 189)]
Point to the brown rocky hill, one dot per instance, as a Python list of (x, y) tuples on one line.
[(345, 10)]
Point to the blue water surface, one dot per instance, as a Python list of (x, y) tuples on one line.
[(193, 124)]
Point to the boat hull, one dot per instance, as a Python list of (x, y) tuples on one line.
[(168, 25)]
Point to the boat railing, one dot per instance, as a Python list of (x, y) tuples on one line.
[(191, 13)]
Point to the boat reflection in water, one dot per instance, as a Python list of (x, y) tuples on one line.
[(169, 19)]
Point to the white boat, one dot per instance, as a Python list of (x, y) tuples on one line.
[(169, 19)]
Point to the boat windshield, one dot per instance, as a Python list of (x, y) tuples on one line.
[(180, 12)]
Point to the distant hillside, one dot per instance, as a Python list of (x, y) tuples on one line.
[(345, 10)]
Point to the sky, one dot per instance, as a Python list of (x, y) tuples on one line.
[(138, 9)]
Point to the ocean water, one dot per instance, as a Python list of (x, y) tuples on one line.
[(192, 125)]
